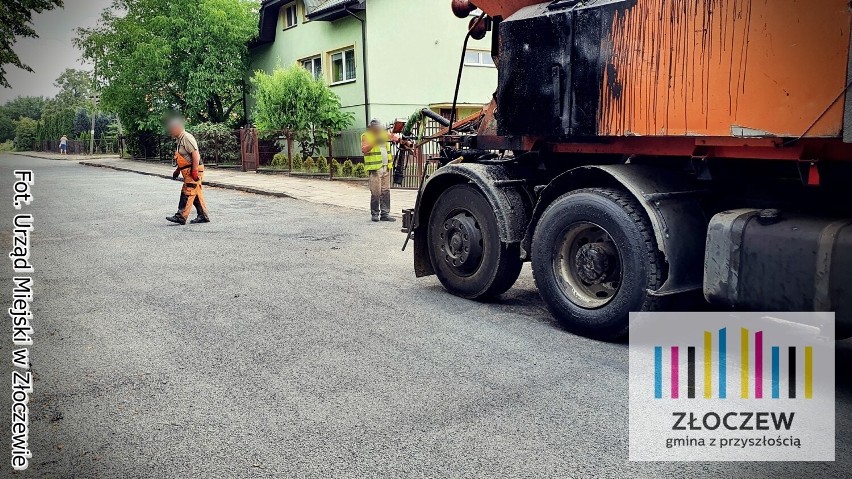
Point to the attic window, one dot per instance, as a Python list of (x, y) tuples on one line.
[(291, 18)]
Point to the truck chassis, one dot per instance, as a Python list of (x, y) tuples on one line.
[(631, 191)]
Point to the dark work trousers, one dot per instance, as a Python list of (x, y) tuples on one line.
[(380, 198), (192, 194)]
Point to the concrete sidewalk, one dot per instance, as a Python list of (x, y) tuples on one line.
[(344, 194)]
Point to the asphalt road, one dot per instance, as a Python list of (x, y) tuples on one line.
[(288, 339)]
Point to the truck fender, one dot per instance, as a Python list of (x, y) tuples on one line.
[(671, 201), (511, 203)]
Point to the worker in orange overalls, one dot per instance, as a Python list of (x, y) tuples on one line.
[(191, 166)]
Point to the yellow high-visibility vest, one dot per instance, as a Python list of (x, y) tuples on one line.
[(373, 159)]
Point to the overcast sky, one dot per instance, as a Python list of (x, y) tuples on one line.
[(52, 52)]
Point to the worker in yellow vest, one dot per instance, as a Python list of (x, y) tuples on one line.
[(378, 161)]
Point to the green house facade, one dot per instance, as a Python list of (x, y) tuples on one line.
[(384, 58)]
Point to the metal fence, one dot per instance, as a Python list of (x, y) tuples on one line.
[(218, 149), (84, 147), (279, 152), (427, 154), (342, 152), (152, 147)]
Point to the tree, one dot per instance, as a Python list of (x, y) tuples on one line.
[(26, 134), (75, 88), (20, 107), (16, 18), (55, 124), (7, 128), (24, 106), (82, 123), (156, 56), (292, 99)]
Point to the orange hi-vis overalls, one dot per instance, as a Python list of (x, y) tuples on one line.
[(191, 194)]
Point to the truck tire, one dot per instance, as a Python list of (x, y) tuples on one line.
[(595, 259), (465, 248)]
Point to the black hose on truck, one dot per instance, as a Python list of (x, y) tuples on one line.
[(435, 116)]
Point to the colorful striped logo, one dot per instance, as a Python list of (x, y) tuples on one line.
[(752, 368)]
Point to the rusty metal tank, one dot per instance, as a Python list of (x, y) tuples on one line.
[(718, 68)]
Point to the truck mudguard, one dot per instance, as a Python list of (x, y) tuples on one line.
[(512, 205), (671, 202)]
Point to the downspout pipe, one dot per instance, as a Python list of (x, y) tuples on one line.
[(367, 116)]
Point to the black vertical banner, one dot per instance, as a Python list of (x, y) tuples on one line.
[(690, 378), (791, 363)]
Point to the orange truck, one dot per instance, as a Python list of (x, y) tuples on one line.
[(644, 154)]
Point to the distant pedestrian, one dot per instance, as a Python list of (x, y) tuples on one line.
[(63, 145), (191, 166), (376, 146)]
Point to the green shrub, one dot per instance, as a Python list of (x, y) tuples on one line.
[(7, 145), (322, 164), (280, 161), (291, 98), (309, 165), (334, 167), (360, 171), (26, 134), (216, 140), (298, 164), (348, 169)]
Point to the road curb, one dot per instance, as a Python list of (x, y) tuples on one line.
[(228, 186), (53, 158), (213, 184)]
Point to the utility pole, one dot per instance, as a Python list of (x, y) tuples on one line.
[(95, 99)]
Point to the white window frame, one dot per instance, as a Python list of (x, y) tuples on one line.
[(343, 52), (482, 54), (286, 9), (313, 61)]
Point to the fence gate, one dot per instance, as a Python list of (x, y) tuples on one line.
[(424, 157), (248, 149)]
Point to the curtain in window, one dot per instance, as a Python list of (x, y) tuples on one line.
[(350, 65), (337, 67)]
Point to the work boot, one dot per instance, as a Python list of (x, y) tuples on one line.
[(388, 219), (200, 220), (375, 219), (177, 219)]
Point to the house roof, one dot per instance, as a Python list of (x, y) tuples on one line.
[(330, 10), (268, 22), (321, 10), (319, 5)]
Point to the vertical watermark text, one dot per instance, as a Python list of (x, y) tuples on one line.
[(20, 313)]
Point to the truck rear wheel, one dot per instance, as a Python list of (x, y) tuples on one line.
[(465, 248), (595, 260)]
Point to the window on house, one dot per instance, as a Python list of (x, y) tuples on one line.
[(313, 65), (478, 58), (290, 16), (343, 66)]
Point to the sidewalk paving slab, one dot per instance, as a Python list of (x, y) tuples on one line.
[(345, 194)]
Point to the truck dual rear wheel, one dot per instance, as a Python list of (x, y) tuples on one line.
[(465, 248), (595, 260)]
